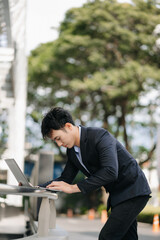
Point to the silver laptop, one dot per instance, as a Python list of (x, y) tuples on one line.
[(20, 177)]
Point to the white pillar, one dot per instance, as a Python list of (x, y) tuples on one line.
[(43, 218), (18, 111), (52, 221)]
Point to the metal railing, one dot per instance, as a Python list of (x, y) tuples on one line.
[(47, 213)]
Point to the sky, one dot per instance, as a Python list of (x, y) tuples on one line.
[(42, 17)]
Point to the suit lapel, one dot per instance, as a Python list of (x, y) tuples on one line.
[(77, 163), (83, 146)]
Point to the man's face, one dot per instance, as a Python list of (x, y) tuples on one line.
[(63, 137)]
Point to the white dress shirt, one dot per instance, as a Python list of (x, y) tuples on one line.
[(78, 152)]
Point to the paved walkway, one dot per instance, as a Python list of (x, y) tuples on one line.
[(12, 221), (78, 228), (84, 229)]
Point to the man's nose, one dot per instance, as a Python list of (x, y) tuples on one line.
[(59, 143)]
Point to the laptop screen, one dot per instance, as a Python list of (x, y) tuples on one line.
[(15, 169)]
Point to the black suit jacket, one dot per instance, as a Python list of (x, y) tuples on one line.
[(110, 165)]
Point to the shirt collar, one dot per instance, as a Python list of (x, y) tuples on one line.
[(76, 149)]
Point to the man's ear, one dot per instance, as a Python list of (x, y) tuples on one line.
[(69, 126)]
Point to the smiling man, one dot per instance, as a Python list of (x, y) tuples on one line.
[(105, 162)]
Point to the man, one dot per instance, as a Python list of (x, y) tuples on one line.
[(105, 162)]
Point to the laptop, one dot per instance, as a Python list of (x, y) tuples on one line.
[(21, 178)]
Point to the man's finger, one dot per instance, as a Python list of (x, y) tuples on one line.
[(53, 184), (54, 188)]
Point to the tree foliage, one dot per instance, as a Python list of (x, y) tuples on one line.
[(3, 131), (102, 62)]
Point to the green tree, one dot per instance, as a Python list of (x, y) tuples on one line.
[(102, 62), (3, 131)]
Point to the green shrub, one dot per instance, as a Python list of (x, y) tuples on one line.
[(148, 213), (83, 210), (101, 207)]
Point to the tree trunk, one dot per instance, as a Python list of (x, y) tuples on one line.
[(150, 154), (125, 137), (105, 122)]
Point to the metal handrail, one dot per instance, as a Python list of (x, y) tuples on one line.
[(26, 191), (47, 213)]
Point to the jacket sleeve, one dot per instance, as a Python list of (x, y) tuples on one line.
[(69, 173), (107, 172)]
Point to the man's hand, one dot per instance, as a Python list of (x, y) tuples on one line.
[(63, 186)]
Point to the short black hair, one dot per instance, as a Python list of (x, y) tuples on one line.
[(55, 119)]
